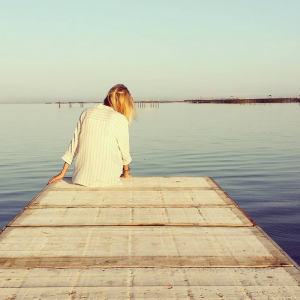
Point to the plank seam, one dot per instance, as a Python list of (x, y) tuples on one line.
[(37, 206), (135, 224)]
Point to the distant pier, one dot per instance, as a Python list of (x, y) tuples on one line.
[(73, 102), (138, 103)]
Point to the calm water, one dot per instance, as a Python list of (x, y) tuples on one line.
[(252, 151)]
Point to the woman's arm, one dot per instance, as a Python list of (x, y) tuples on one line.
[(72, 150), (122, 135), (123, 141), (61, 175)]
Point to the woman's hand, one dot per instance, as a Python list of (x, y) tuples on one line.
[(61, 175), (126, 174), (55, 178)]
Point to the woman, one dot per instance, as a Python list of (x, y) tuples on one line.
[(101, 142)]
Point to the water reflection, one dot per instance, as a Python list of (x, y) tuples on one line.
[(147, 104), (71, 104)]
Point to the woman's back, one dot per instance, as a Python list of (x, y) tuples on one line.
[(102, 147), (101, 142)]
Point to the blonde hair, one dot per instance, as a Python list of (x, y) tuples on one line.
[(120, 100)]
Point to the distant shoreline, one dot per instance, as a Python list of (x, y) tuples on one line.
[(191, 101), (203, 101), (245, 101)]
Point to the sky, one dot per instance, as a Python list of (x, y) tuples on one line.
[(76, 50)]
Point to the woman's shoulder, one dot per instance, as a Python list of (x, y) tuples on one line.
[(120, 116), (103, 112), (113, 113)]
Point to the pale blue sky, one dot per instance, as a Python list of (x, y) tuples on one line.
[(162, 50)]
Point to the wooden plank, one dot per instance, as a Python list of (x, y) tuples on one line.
[(163, 261), (114, 277), (166, 292), (134, 246), (163, 198), (154, 283), (205, 216), (143, 182), (158, 283)]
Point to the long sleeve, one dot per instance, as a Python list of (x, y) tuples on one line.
[(123, 141), (72, 150)]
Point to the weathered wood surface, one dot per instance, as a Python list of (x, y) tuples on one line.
[(155, 292), (161, 197), (150, 283), (205, 216), (133, 246), (73, 242), (146, 183), (123, 277)]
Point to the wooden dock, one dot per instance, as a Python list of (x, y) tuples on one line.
[(151, 238)]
